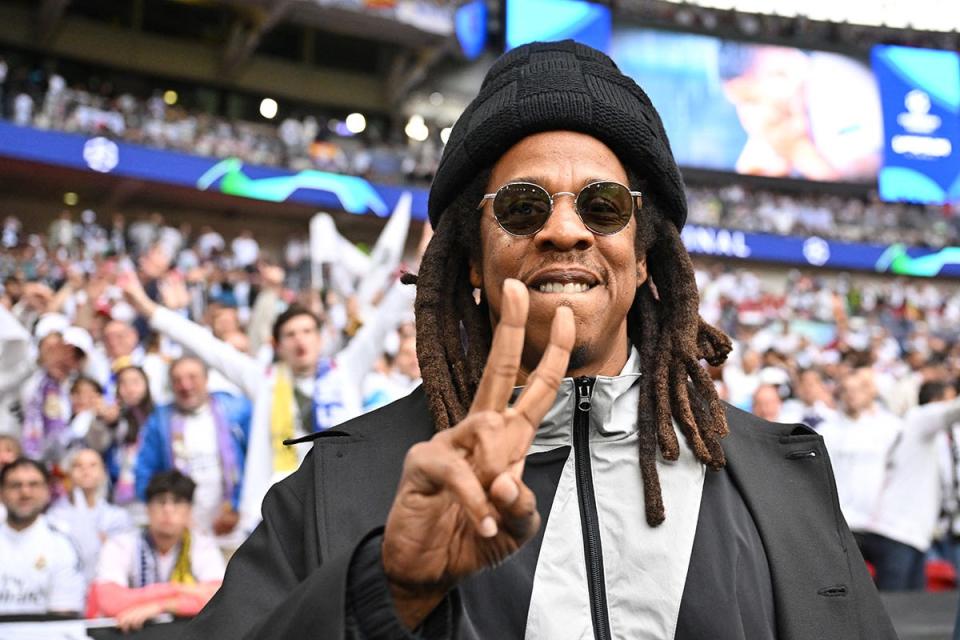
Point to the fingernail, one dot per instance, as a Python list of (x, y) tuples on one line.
[(488, 527)]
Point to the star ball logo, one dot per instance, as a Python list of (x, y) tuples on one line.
[(101, 155), (816, 251)]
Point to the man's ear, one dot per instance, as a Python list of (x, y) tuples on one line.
[(641, 270), (476, 280)]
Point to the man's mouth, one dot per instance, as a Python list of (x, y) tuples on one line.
[(565, 281), (561, 287)]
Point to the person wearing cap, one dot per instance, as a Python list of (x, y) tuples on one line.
[(64, 354), (566, 469)]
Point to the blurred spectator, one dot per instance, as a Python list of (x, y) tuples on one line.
[(165, 568), (767, 403), (135, 406), (40, 572), (860, 441), (900, 532), (84, 513), (203, 434)]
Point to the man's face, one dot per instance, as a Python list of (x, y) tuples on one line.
[(810, 388), (189, 381), (406, 360), (87, 470), (168, 516), (58, 358), (299, 344), (766, 403), (563, 251), (856, 392), (25, 494), (119, 339), (225, 322)]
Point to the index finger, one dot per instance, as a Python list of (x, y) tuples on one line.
[(503, 363), (542, 385)]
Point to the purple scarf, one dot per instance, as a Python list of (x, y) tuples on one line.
[(43, 421), (229, 468)]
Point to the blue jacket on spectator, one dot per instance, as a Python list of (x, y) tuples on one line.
[(155, 452)]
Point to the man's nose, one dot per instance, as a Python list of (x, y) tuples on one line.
[(564, 230)]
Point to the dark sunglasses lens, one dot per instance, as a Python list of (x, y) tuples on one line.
[(521, 209), (605, 207)]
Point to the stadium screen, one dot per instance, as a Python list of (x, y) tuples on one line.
[(920, 89), (552, 20), (758, 109)]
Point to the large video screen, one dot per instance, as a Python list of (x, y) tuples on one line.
[(758, 109), (921, 113), (552, 20)]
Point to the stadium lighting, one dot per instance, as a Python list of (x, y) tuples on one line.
[(356, 123), (416, 128), (170, 97), (268, 108), (445, 134), (70, 198)]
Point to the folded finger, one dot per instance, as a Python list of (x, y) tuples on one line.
[(517, 506), (433, 468)]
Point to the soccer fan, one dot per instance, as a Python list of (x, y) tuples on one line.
[(203, 435), (40, 571), (164, 567)]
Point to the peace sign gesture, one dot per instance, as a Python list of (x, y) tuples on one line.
[(461, 505)]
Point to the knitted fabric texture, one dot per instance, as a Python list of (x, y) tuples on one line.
[(559, 86)]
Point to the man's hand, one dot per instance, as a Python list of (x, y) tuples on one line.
[(133, 291), (134, 618), (461, 505), (226, 521)]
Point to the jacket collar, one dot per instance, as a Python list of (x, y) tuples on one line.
[(557, 426)]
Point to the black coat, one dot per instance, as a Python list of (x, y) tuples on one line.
[(289, 579)]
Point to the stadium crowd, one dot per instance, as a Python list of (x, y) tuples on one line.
[(34, 97), (149, 375), (41, 97)]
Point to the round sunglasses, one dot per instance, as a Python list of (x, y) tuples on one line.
[(522, 208)]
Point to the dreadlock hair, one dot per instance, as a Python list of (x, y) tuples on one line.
[(664, 324)]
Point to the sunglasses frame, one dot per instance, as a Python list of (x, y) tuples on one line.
[(634, 195)]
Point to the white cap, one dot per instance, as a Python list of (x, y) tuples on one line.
[(79, 338), (50, 323)]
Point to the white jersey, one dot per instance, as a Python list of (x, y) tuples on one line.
[(40, 571), (120, 560)]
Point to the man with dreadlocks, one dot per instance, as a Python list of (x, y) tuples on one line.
[(613, 495)]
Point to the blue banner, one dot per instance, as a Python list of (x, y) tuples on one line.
[(895, 259), (230, 176)]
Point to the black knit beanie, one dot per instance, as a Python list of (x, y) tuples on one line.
[(559, 86)]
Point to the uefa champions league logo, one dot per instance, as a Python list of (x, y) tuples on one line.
[(816, 251), (101, 155)]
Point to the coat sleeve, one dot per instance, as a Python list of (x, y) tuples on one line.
[(271, 589), (276, 587)]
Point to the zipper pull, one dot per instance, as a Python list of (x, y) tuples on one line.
[(584, 386)]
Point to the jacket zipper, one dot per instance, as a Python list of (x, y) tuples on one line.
[(589, 522)]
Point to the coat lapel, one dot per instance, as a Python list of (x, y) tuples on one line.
[(357, 472), (784, 476)]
